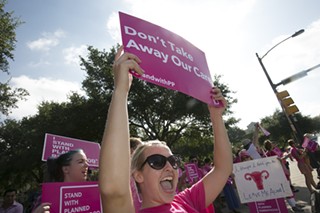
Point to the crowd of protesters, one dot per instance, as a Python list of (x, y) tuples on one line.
[(228, 198)]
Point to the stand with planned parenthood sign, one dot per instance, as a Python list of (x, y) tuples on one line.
[(55, 145), (262, 184), (72, 197), (167, 59)]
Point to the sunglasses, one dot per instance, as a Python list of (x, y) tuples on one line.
[(157, 161)]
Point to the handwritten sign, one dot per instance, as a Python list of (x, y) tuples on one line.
[(72, 197), (261, 179), (169, 60), (274, 206), (55, 145)]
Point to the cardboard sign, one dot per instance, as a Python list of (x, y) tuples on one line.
[(72, 197), (260, 180), (274, 206), (168, 60), (55, 145)]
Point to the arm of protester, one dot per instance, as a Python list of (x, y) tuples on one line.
[(255, 136), (114, 174), (215, 180)]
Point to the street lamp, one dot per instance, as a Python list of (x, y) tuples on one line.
[(296, 76), (285, 81), (293, 35)]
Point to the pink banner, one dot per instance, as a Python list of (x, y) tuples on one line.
[(270, 206), (55, 145), (72, 197), (169, 60)]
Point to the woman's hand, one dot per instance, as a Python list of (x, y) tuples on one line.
[(217, 96), (42, 208), (124, 63)]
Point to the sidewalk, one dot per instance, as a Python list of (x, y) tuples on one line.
[(298, 181)]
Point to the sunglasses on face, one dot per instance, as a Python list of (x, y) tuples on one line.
[(157, 161)]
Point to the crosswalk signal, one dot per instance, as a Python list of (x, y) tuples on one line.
[(287, 102)]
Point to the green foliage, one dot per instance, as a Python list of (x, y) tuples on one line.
[(8, 24), (278, 125), (20, 154), (155, 112), (9, 97)]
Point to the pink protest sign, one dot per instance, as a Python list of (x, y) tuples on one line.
[(311, 145), (192, 172), (72, 197), (54, 145), (273, 205), (168, 60)]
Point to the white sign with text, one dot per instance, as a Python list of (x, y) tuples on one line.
[(261, 179)]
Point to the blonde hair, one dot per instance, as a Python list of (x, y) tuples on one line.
[(138, 155)]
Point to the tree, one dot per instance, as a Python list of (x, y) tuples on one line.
[(8, 24), (278, 125), (147, 101)]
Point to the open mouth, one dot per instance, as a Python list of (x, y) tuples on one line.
[(167, 184)]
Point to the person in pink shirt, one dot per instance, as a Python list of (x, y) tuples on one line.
[(153, 166), (304, 168)]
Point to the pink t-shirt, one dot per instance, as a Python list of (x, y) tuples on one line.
[(189, 200)]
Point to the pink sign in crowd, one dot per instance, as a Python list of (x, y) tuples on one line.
[(55, 145), (72, 197), (169, 60)]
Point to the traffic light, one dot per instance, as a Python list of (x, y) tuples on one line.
[(287, 102)]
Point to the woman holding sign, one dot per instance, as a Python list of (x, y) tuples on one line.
[(153, 166), (71, 166)]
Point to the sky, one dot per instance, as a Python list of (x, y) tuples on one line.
[(229, 32)]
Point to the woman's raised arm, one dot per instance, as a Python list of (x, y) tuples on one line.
[(114, 165), (215, 180)]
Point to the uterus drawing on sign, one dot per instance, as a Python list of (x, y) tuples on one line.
[(257, 177)]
